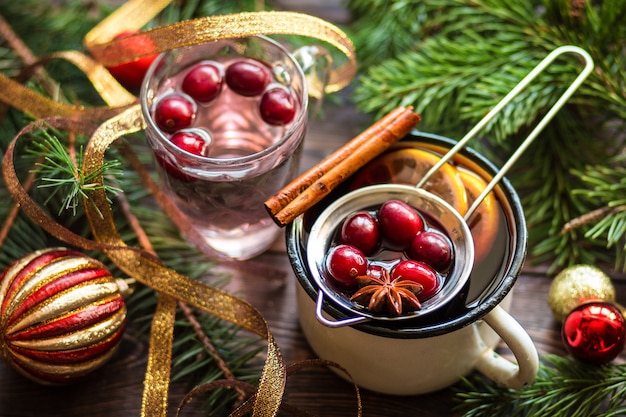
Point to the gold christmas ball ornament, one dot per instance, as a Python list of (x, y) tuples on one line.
[(62, 315), (576, 285)]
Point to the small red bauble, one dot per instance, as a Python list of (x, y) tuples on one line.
[(131, 74), (594, 332)]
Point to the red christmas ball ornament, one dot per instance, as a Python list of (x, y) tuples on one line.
[(62, 315), (594, 332), (131, 74)]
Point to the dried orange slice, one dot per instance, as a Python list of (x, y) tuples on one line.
[(408, 166), (484, 222)]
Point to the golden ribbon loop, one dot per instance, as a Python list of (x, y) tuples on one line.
[(206, 29)]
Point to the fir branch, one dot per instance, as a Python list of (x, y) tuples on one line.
[(563, 387), (61, 174), (605, 186), (469, 54)]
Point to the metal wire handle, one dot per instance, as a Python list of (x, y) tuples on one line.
[(506, 100)]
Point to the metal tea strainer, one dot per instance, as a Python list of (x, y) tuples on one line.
[(455, 225)]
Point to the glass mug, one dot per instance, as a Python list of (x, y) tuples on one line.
[(227, 141), (433, 351)]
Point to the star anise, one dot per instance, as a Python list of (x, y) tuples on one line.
[(382, 294)]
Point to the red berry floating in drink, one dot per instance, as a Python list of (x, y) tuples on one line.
[(190, 142), (174, 112), (247, 77), (203, 82), (277, 107)]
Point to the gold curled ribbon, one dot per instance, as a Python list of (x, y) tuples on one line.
[(171, 284), (30, 102), (211, 28)]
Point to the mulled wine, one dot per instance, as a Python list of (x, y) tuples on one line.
[(226, 122)]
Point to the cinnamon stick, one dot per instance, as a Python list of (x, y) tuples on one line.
[(348, 160), (278, 201)]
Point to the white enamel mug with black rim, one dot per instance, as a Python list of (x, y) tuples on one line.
[(433, 351)]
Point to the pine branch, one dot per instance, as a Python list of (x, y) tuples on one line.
[(63, 175), (606, 188), (469, 54), (563, 387)]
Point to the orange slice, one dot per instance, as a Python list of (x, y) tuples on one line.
[(408, 166), (485, 220)]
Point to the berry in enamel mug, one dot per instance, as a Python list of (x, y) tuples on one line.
[(203, 82), (360, 229), (433, 248), (399, 222), (345, 263), (247, 77), (174, 112), (277, 107), (190, 142), (419, 272)]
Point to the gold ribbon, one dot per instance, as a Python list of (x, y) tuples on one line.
[(122, 117)]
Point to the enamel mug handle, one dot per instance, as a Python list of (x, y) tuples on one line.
[(501, 370)]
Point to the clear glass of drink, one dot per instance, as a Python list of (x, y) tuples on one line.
[(226, 122)]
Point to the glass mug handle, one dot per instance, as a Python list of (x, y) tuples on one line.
[(501, 370), (316, 64)]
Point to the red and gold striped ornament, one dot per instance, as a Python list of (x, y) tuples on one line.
[(62, 315)]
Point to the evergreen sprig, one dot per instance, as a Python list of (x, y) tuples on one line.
[(606, 188), (458, 58), (64, 176), (564, 387)]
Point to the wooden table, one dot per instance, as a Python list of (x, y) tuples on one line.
[(115, 390)]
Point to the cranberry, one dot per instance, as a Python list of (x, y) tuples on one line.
[(190, 142), (419, 272), (174, 112), (172, 170), (277, 106), (433, 248), (203, 82), (345, 263), (248, 78), (131, 74), (399, 222), (375, 270), (360, 229)]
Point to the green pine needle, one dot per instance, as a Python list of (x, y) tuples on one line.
[(564, 387), (63, 177)]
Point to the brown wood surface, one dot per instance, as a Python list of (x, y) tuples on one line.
[(115, 390)]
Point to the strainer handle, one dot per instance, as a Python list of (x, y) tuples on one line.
[(506, 100), (319, 313)]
